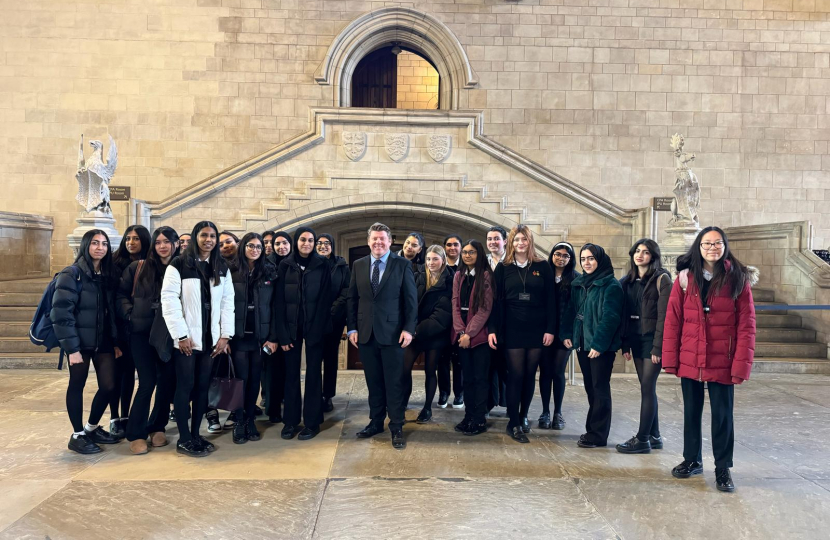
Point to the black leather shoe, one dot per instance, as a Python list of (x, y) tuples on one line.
[(634, 446), (251, 432), (544, 421), (462, 425), (585, 442), (239, 435), (723, 480), (275, 419), (83, 445), (191, 448), (102, 436), (398, 442), (369, 431), (424, 416), (687, 469), (458, 402), (288, 432), (558, 422), (518, 435), (475, 429), (172, 416), (308, 433), (656, 443), (205, 444), (328, 406), (525, 425), (442, 400), (118, 427)]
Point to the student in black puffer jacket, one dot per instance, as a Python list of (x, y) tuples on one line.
[(84, 322), (138, 303), (303, 316), (254, 281), (340, 278)]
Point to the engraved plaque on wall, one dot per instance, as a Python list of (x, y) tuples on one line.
[(120, 193)]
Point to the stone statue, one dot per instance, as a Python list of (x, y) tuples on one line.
[(94, 176), (686, 203)]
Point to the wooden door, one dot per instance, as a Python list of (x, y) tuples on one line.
[(375, 80)]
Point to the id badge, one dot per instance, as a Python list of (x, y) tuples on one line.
[(524, 296)]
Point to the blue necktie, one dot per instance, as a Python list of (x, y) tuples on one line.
[(376, 277)]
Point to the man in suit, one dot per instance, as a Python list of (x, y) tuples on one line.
[(382, 313)]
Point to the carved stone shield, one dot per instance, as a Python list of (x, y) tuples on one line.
[(354, 144), (438, 147), (397, 145)]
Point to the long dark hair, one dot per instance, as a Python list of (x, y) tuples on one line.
[(655, 265), (568, 272), (481, 267), (735, 276), (122, 258), (215, 261), (153, 268), (420, 257), (259, 264), (83, 253)]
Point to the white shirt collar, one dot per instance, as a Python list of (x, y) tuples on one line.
[(707, 275), (521, 265)]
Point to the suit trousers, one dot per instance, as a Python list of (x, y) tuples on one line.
[(476, 365), (311, 404), (722, 401), (596, 372), (383, 368)]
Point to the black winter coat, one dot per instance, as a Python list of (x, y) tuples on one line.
[(264, 301), (311, 289), (137, 312), (340, 278), (653, 305), (434, 311), (118, 269), (78, 319), (563, 296)]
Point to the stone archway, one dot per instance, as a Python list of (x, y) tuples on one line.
[(409, 27)]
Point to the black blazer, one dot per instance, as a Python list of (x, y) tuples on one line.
[(393, 309)]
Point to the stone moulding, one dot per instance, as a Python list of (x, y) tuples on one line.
[(16, 220), (320, 118), (409, 27)]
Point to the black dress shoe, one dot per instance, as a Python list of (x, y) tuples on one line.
[(558, 422), (398, 442), (205, 444), (687, 469), (585, 442), (172, 416), (442, 400), (83, 445), (634, 446), (288, 432), (462, 425), (656, 443), (328, 406), (369, 431), (275, 419), (251, 432), (517, 434), (102, 436), (475, 428), (308, 433), (723, 480), (424, 416), (544, 421), (191, 448), (239, 435), (525, 425)]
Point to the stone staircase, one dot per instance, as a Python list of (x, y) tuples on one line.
[(782, 345)]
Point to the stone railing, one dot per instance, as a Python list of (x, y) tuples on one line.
[(25, 245), (783, 253)]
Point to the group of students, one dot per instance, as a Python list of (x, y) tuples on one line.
[(171, 307)]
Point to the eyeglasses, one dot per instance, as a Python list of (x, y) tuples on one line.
[(560, 256), (469, 253), (711, 245), (323, 244), (254, 247)]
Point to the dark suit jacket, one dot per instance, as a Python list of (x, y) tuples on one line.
[(393, 309)]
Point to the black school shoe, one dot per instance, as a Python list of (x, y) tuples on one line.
[(687, 469), (118, 427), (288, 432), (462, 425), (634, 446), (525, 425), (206, 444), (251, 432), (102, 436), (585, 442), (558, 422), (518, 435), (723, 480), (656, 442), (83, 445), (328, 406), (191, 448), (424, 416), (308, 433), (475, 429), (544, 421), (240, 435)]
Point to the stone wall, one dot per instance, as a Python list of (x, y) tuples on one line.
[(25, 241), (190, 87), (417, 83)]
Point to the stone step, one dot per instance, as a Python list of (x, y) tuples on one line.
[(19, 345), (24, 285), (14, 329), (13, 299), (785, 364), (17, 314), (777, 319), (763, 295), (786, 335), (782, 350), (42, 360)]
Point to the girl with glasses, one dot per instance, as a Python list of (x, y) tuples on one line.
[(340, 278)]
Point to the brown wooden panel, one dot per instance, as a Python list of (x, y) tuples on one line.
[(375, 80)]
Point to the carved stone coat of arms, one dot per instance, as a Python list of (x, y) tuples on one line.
[(397, 145), (438, 147), (354, 144)]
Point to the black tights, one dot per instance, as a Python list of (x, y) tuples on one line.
[(124, 384), (521, 381), (648, 372), (105, 373), (192, 378), (552, 376), (248, 367), (431, 359)]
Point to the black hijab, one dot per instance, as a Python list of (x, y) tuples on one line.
[(303, 261), (331, 259), (277, 259), (604, 266)]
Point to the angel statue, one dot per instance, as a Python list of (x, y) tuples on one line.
[(94, 176), (686, 203)]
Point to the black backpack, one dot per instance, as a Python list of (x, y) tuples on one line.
[(41, 332)]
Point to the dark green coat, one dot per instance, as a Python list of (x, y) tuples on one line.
[(594, 314)]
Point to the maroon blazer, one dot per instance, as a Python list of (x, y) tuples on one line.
[(476, 326)]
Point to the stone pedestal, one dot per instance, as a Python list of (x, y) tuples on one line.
[(678, 240), (94, 220)]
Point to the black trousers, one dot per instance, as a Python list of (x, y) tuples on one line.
[(248, 367), (722, 401), (331, 354), (124, 383), (476, 365), (498, 379), (450, 358), (310, 406), (275, 382), (105, 372), (383, 368), (193, 374), (153, 375), (596, 373)]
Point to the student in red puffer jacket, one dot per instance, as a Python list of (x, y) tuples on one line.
[(709, 337)]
